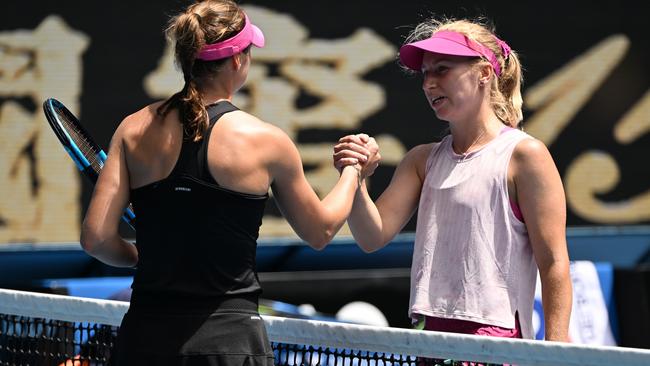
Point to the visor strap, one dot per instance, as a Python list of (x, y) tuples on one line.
[(504, 48), (487, 54)]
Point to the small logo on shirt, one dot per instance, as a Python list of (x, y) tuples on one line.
[(255, 317), (184, 189)]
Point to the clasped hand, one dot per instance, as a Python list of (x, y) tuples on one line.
[(359, 150)]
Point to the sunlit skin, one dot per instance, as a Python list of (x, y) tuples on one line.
[(453, 89), (246, 155), (458, 90), (449, 84)]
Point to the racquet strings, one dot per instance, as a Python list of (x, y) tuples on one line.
[(85, 145)]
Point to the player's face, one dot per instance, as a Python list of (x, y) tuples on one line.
[(450, 84)]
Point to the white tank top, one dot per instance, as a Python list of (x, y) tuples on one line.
[(472, 258)]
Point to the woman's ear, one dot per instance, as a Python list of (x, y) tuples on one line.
[(485, 73), (236, 61), (239, 60)]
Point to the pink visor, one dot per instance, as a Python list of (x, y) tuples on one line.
[(234, 45), (446, 43)]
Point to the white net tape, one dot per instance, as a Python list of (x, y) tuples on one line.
[(350, 336)]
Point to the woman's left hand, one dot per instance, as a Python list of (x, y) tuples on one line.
[(357, 149)]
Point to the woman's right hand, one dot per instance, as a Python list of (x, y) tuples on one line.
[(358, 149)]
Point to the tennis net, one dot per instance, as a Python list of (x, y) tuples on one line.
[(44, 329)]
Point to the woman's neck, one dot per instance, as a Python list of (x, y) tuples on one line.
[(215, 90), (473, 134), (212, 97)]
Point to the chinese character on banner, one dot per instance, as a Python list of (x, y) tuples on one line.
[(39, 185)]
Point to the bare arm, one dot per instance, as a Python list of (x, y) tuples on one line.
[(541, 198), (99, 232), (373, 225), (315, 221)]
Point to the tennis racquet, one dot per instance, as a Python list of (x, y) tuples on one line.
[(83, 150)]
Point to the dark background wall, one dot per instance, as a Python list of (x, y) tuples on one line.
[(126, 43)]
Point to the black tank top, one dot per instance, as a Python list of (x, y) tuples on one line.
[(195, 239)]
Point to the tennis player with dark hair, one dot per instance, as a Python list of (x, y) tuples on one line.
[(198, 171), (490, 201)]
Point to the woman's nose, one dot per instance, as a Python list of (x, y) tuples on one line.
[(429, 82)]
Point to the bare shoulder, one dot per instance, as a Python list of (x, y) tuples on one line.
[(416, 158), (247, 123), (254, 129), (531, 161), (420, 152), (136, 124), (530, 150)]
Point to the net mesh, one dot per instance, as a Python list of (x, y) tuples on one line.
[(40, 329), (38, 341)]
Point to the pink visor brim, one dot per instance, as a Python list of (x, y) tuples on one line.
[(445, 43), (250, 34), (258, 36), (411, 54)]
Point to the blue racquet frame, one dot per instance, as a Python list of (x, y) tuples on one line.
[(89, 159)]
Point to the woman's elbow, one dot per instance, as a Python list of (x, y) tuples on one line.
[(319, 240), (87, 242), (90, 239), (368, 247), (318, 245)]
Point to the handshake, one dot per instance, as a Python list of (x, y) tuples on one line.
[(360, 151)]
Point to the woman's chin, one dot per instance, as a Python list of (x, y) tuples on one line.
[(441, 115)]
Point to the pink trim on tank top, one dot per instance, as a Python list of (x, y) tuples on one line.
[(516, 210), (513, 205)]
